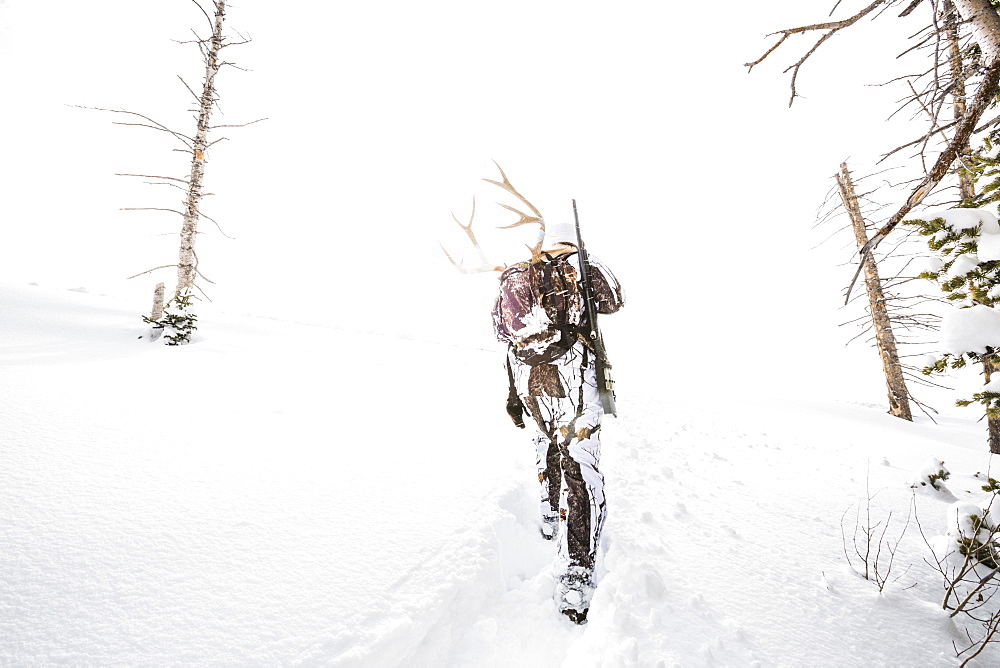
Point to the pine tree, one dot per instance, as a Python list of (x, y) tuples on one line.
[(966, 243)]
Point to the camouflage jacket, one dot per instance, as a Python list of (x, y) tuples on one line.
[(540, 311)]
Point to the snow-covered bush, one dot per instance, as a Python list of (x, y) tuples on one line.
[(972, 533), (967, 558), (933, 473), (967, 555)]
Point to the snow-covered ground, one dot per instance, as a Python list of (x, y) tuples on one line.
[(282, 493), (328, 475)]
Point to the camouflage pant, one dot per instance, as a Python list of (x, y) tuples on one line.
[(563, 401)]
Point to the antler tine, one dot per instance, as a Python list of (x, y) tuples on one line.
[(467, 228), (506, 185), (484, 264), (524, 218)]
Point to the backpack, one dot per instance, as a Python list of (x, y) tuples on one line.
[(540, 308)]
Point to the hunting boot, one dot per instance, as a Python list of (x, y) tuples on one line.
[(574, 590)]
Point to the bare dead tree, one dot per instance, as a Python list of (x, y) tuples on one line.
[(197, 145), (896, 311), (899, 403), (974, 83), (187, 265)]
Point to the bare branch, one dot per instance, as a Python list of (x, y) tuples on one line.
[(238, 125), (155, 125), (198, 271), (910, 8), (199, 289), (193, 94), (983, 99), (207, 17), (924, 138), (767, 53), (200, 42), (172, 185), (149, 271), (219, 227), (831, 26), (133, 208), (150, 176), (992, 121), (152, 127), (245, 41)]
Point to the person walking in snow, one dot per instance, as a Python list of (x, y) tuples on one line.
[(540, 313)]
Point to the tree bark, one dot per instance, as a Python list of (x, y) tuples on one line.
[(965, 185), (990, 367), (985, 25), (188, 261), (899, 402), (157, 311)]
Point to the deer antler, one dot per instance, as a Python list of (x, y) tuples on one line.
[(536, 250), (484, 264)]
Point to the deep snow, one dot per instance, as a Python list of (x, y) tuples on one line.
[(283, 493)]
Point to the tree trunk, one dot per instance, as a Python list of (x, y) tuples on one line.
[(990, 367), (187, 266), (985, 25), (157, 311), (899, 402), (965, 185)]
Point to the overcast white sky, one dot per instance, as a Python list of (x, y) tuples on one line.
[(695, 181)]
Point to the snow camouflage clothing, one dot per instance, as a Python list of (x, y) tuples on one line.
[(540, 314)]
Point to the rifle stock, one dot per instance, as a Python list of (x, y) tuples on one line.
[(605, 384)]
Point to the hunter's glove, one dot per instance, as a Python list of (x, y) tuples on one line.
[(515, 409)]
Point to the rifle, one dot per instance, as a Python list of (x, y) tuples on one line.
[(605, 384)]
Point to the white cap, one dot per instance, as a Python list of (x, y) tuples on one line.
[(560, 232)]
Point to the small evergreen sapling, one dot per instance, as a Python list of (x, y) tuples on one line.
[(177, 322), (974, 529), (935, 478), (967, 557), (933, 473)]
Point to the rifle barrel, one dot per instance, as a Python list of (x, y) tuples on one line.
[(605, 385)]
